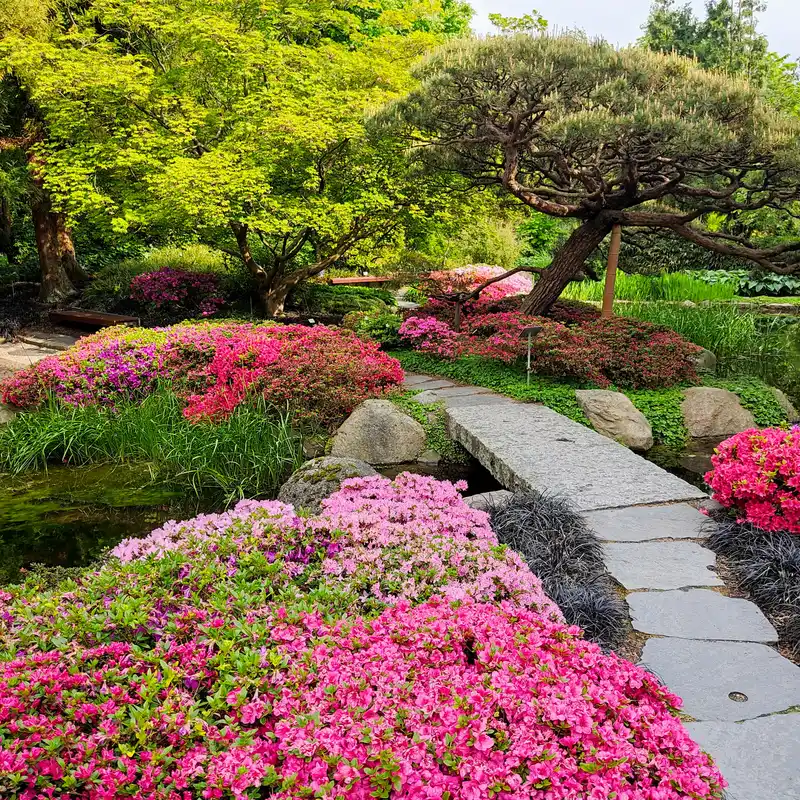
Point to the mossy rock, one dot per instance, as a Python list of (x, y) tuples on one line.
[(320, 478)]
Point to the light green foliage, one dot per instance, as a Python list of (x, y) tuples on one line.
[(248, 455), (196, 118), (673, 286), (662, 407), (381, 326), (528, 23), (432, 419), (747, 283)]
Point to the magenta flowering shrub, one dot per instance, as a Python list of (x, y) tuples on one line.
[(757, 472), (245, 655), (431, 335), (320, 373), (470, 277), (168, 287)]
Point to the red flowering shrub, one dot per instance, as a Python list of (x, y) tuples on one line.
[(758, 473), (320, 373), (470, 277), (620, 350), (573, 312), (193, 291), (639, 354)]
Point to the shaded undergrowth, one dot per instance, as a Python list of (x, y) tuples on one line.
[(561, 549)]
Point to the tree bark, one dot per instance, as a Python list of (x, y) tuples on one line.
[(7, 244), (566, 265), (56, 284), (66, 250)]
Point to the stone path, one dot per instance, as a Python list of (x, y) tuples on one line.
[(741, 697)]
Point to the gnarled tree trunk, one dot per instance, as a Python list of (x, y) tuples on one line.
[(56, 284), (567, 264), (66, 249)]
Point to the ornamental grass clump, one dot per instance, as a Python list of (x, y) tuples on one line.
[(757, 473), (255, 653), (319, 373)]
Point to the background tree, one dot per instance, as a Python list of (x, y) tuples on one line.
[(240, 123), (581, 131)]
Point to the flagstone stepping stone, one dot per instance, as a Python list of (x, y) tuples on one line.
[(699, 614), (412, 380), (434, 395), (724, 680), (661, 565), (641, 523), (431, 383), (760, 758)]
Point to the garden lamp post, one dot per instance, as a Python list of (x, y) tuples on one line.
[(611, 273), (533, 330)]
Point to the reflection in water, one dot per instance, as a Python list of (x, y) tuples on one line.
[(69, 515), (690, 463)]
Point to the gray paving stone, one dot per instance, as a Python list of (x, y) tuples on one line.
[(641, 523), (434, 395), (699, 614), (705, 674), (50, 341), (526, 446), (661, 565), (759, 758), (478, 400), (413, 379), (431, 383), (486, 500)]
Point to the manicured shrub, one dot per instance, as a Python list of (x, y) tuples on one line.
[(190, 291), (254, 654), (757, 472), (319, 373), (381, 326), (319, 298), (573, 312), (621, 351)]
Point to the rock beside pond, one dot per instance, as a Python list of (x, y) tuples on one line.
[(6, 414), (786, 404), (705, 361), (378, 432), (320, 478), (615, 416), (714, 413)]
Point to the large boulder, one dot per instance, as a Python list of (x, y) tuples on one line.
[(378, 432), (615, 416), (714, 413), (705, 361), (786, 404), (318, 479)]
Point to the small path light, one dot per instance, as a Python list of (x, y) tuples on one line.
[(533, 330)]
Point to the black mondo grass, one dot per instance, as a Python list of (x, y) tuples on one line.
[(562, 550), (766, 565)]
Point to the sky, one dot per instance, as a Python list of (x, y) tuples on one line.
[(620, 21)]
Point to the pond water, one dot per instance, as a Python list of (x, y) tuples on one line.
[(690, 463), (67, 516)]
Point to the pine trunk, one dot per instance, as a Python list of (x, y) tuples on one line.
[(566, 265)]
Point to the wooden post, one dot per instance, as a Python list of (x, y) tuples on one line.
[(611, 272)]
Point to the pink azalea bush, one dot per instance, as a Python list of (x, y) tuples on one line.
[(168, 287), (320, 373), (257, 653), (470, 277), (757, 472)]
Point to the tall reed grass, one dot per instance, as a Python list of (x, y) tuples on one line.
[(672, 286), (744, 343), (248, 455)]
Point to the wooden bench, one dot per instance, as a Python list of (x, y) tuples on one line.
[(90, 319), (358, 280)]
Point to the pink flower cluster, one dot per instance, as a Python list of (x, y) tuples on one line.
[(320, 373), (358, 654), (196, 291), (470, 277), (758, 473)]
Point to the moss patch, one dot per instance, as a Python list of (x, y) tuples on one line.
[(432, 419)]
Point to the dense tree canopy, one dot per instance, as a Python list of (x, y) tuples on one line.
[(582, 131), (240, 122)]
